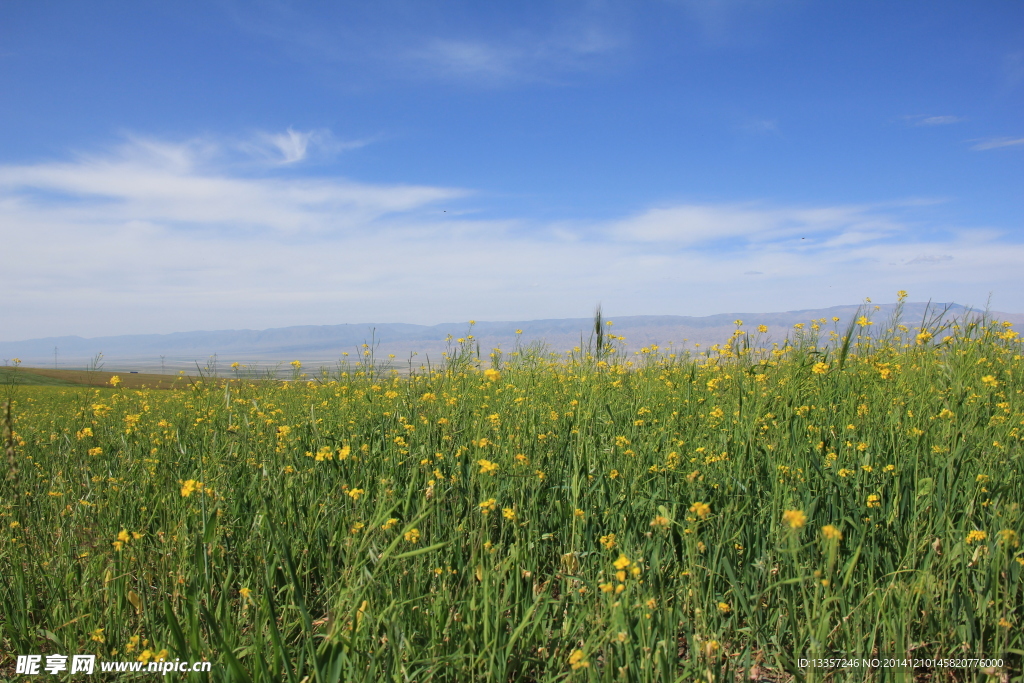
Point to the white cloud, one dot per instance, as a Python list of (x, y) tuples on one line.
[(158, 237), (181, 184), (940, 120), (932, 120), (518, 59), (462, 59), (424, 44), (292, 146), (929, 259), (693, 225), (997, 143)]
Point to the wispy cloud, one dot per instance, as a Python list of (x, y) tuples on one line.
[(469, 59), (158, 236), (997, 143), (927, 120), (403, 41), (940, 120), (293, 146), (929, 259), (190, 184), (711, 225), (518, 59)]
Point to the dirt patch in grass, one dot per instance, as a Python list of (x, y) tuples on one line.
[(97, 378)]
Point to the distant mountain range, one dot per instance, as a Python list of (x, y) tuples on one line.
[(324, 344)]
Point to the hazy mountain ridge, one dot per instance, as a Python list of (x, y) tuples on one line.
[(319, 343)]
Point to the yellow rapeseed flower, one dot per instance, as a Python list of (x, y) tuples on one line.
[(660, 522), (831, 533), (702, 510), (1009, 537), (976, 535), (412, 535), (794, 518), (576, 660)]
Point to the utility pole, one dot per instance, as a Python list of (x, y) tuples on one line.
[(54, 357)]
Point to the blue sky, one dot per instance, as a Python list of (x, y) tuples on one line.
[(208, 165)]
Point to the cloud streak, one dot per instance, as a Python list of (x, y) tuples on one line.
[(929, 120), (293, 146), (997, 143), (565, 39), (183, 185), (509, 61), (940, 120), (701, 225)]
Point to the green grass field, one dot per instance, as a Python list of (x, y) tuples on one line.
[(10, 375), (598, 516)]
